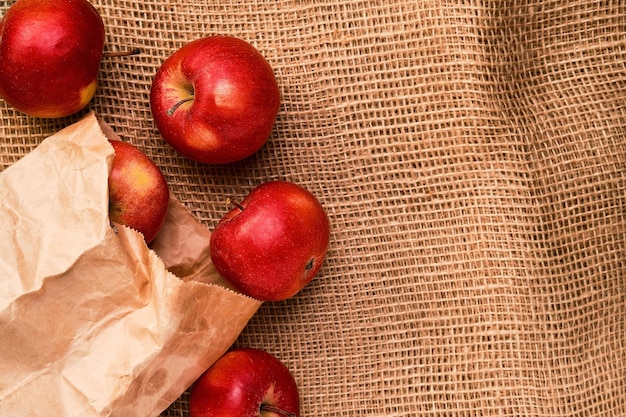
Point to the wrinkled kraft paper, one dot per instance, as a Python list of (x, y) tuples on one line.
[(92, 321)]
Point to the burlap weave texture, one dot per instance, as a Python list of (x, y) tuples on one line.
[(472, 159)]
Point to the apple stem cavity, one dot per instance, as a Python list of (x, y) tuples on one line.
[(171, 110), (234, 203), (131, 52), (267, 408), (309, 265)]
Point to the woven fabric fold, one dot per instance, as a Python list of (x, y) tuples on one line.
[(472, 160)]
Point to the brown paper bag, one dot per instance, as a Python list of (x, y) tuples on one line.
[(91, 321)]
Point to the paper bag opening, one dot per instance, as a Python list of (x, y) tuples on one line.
[(92, 322)]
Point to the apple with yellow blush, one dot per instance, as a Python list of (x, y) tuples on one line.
[(138, 191), (215, 100), (50, 52)]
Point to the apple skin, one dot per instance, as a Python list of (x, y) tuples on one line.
[(138, 191), (243, 383), (272, 244), (233, 100), (50, 53)]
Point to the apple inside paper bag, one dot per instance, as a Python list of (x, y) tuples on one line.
[(92, 322)]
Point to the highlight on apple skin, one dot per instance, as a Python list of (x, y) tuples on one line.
[(215, 100), (245, 382), (138, 191), (50, 54), (271, 244)]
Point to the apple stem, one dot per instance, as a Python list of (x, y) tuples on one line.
[(172, 109), (273, 409), (234, 203), (135, 51)]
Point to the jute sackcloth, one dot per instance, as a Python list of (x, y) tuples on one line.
[(472, 159)]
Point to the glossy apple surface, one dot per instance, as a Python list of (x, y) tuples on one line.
[(245, 382), (138, 191), (215, 100), (50, 53), (273, 243)]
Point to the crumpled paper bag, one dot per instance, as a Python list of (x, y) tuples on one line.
[(92, 321)]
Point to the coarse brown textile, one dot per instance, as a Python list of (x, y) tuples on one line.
[(472, 159)]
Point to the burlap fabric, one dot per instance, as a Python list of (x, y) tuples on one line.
[(472, 159)]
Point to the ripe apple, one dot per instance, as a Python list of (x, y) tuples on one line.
[(245, 382), (138, 191), (273, 243), (215, 100), (50, 52)]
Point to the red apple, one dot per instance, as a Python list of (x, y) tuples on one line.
[(138, 192), (50, 53), (245, 382), (215, 100), (273, 243)]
